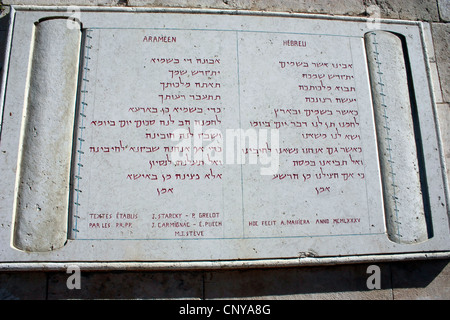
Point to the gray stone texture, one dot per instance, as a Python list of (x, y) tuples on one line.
[(23, 286), (65, 2), (444, 10), (441, 38), (426, 10), (443, 110), (418, 280), (128, 285)]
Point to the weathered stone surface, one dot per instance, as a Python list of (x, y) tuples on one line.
[(332, 283), (441, 38), (128, 285), (52, 93), (424, 280), (392, 111), (401, 280), (66, 2), (397, 9), (405, 9), (444, 125), (444, 9), (23, 286), (265, 65), (411, 280), (352, 7)]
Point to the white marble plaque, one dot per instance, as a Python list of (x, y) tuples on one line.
[(215, 137), (163, 149)]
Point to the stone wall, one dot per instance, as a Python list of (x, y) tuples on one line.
[(429, 279)]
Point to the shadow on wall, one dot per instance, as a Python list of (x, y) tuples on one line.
[(320, 280), (330, 282)]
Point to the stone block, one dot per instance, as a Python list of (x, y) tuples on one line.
[(323, 89), (444, 10), (443, 111), (325, 283), (127, 285), (421, 280), (23, 286), (441, 39)]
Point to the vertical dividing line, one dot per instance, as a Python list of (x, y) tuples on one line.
[(72, 214), (240, 127), (387, 128), (84, 86)]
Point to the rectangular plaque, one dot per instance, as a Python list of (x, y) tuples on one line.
[(219, 137), (185, 148)]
